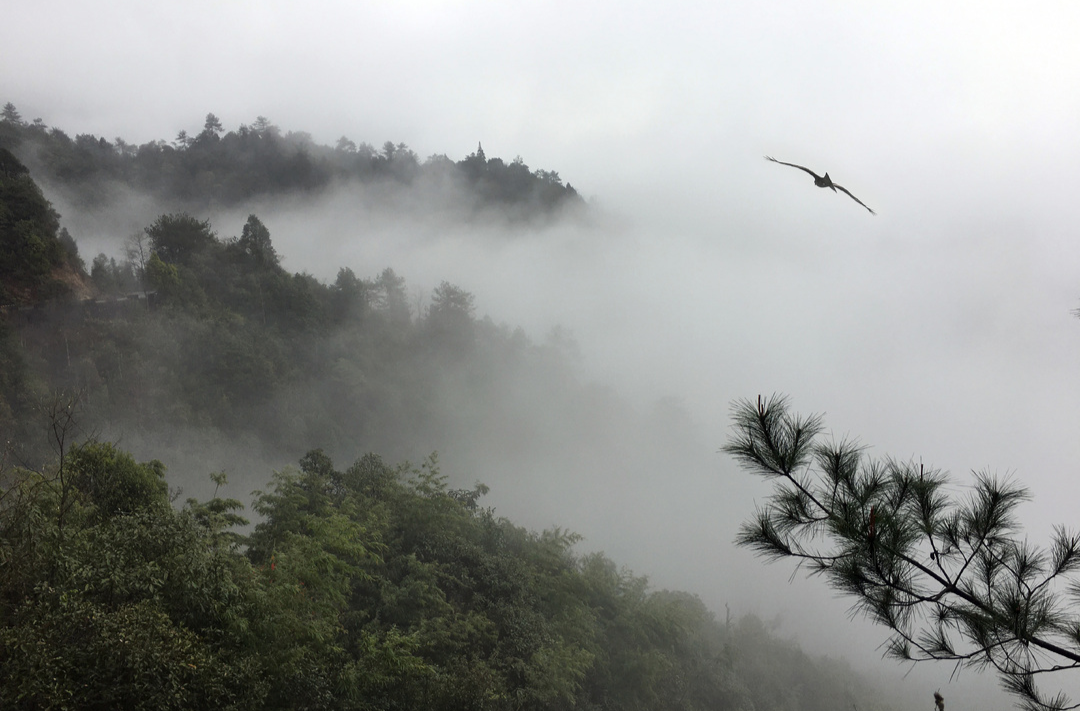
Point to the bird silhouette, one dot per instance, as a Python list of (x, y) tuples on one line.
[(823, 181)]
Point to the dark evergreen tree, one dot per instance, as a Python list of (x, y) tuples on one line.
[(255, 243)]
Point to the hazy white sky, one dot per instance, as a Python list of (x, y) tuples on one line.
[(939, 329)]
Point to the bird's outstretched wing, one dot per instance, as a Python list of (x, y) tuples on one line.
[(841, 187), (816, 176)]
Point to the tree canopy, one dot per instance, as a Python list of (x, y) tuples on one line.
[(372, 587)]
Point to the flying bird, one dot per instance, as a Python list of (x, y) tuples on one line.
[(823, 181)]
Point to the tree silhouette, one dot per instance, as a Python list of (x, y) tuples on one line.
[(212, 125), (10, 114), (950, 577)]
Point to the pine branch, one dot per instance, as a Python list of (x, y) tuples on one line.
[(934, 570)]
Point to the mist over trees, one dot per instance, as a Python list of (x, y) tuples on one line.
[(377, 586), (226, 338), (215, 168), (373, 587)]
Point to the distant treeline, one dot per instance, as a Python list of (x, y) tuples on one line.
[(216, 168)]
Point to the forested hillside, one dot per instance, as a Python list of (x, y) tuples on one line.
[(215, 168), (369, 587), (226, 339), (38, 259), (375, 587)]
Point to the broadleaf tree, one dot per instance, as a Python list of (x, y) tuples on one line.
[(950, 576)]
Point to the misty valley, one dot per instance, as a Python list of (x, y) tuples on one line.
[(228, 485)]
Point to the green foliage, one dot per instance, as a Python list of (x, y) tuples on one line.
[(180, 238), (64, 652), (375, 587), (114, 483), (161, 276), (31, 250), (139, 609), (950, 578)]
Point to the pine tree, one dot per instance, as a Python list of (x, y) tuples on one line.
[(10, 114)]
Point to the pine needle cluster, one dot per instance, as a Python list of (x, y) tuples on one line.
[(949, 576)]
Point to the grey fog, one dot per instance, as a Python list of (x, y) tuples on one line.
[(940, 330)]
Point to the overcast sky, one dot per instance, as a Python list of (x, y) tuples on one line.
[(939, 329)]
